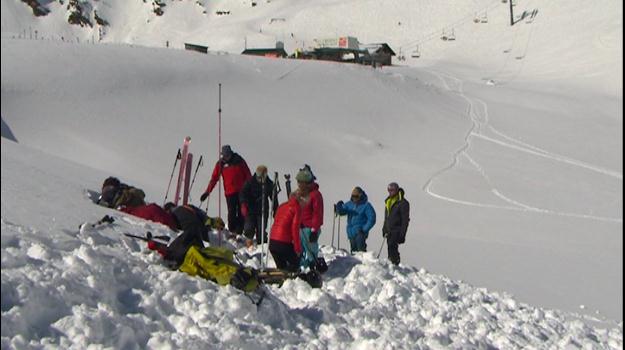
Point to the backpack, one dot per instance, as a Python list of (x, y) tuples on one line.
[(129, 197), (216, 264)]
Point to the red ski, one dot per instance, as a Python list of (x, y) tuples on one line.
[(187, 178), (183, 165)]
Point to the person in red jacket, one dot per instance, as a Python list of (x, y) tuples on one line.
[(284, 241), (234, 172), (152, 212), (311, 202)]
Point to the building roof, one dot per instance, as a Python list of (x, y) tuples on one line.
[(372, 48), (264, 51)]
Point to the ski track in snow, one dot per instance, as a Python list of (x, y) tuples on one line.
[(480, 122)]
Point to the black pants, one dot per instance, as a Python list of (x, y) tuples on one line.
[(235, 219), (253, 226), (284, 255), (393, 249)]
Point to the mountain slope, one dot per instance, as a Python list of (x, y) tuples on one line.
[(62, 287)]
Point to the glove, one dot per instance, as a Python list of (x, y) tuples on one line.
[(384, 234), (314, 236), (203, 196), (338, 206), (159, 247), (244, 210)]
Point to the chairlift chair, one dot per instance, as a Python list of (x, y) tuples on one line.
[(452, 36), (416, 53)]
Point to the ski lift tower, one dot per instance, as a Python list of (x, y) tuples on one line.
[(511, 13)]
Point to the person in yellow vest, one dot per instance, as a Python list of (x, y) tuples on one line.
[(396, 219)]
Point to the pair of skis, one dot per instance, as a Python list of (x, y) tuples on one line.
[(184, 182), (274, 207)]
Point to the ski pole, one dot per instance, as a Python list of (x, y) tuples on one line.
[(178, 156), (263, 224), (199, 164), (380, 251), (333, 228), (338, 234), (288, 185), (148, 237)]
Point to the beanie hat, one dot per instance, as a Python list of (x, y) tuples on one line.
[(261, 171), (111, 181), (304, 175), (226, 151)]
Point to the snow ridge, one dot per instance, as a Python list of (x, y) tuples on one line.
[(99, 287)]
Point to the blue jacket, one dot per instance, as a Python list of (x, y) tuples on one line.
[(360, 216)]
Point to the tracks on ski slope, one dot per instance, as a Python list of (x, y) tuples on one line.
[(479, 123)]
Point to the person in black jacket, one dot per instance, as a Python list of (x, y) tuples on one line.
[(396, 219), (195, 225), (253, 203)]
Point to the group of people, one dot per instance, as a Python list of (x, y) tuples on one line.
[(248, 198), (294, 235), (361, 218)]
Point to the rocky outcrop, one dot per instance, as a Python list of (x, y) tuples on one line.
[(78, 13), (38, 9)]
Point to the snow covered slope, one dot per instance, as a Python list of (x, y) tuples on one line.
[(70, 289)]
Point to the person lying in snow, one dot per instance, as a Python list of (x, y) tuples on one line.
[(130, 200), (116, 194)]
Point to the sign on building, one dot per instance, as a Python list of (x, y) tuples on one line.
[(344, 42)]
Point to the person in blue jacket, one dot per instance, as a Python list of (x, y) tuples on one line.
[(360, 219)]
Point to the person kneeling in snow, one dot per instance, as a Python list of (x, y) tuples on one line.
[(188, 254), (194, 224), (284, 244)]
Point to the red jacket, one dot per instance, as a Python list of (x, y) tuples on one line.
[(286, 224), (312, 209), (234, 173), (152, 212)]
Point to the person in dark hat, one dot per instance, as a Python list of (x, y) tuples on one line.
[(396, 219), (254, 198), (360, 219), (234, 171)]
